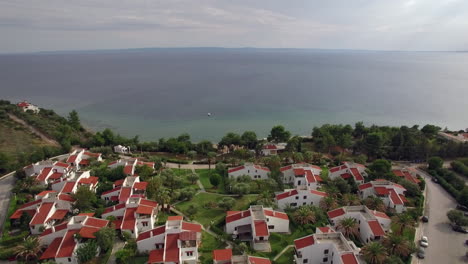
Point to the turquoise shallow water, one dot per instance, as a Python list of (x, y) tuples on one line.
[(163, 93)]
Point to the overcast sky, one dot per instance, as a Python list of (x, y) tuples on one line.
[(48, 25)]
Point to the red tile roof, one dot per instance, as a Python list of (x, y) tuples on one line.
[(128, 169), (270, 146), (30, 204), (96, 155), (111, 191), (87, 214), (336, 213), (140, 185), (88, 231), (349, 258), (119, 182), (55, 176), (43, 193), (61, 164), (335, 169), (398, 173), (286, 168), (191, 227), (68, 187), (365, 186), (23, 104), (304, 242), (381, 190), (72, 158), (188, 235), (258, 260), (236, 169), (96, 222), (84, 162), (346, 175), (41, 216), (286, 194), (394, 197), (175, 218), (258, 167), (231, 217), (59, 214), (403, 198), (276, 214), (376, 228), (156, 256), (44, 173), (325, 229), (148, 203), (222, 254), (261, 228), (357, 174), (380, 214), (68, 245), (154, 232), (66, 197), (319, 193), (129, 221), (90, 180), (299, 171), (51, 250), (171, 248), (125, 194), (142, 209)]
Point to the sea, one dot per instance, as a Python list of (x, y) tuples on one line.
[(155, 93)]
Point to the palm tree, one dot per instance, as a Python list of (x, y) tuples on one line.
[(350, 199), (374, 253), (397, 245), (348, 226), (304, 215), (29, 249), (374, 203), (163, 197), (404, 221), (328, 203), (210, 155), (332, 191)]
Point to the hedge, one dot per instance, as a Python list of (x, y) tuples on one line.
[(178, 161), (459, 167), (6, 253)]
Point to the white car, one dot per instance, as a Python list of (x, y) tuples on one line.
[(424, 242)]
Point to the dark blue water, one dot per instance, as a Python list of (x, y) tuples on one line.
[(162, 93)]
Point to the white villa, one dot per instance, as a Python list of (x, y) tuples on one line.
[(25, 106), (302, 174), (224, 256), (255, 172), (349, 170), (392, 194), (299, 197), (81, 158)]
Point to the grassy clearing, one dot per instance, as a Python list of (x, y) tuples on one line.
[(204, 175), (209, 243), (139, 260), (183, 173), (286, 258), (205, 215)]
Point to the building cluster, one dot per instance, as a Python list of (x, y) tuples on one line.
[(26, 106)]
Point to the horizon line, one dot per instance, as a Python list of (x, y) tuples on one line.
[(214, 48)]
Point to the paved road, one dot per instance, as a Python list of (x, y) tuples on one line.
[(445, 245), (6, 184)]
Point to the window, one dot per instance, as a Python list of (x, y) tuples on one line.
[(304, 203), (325, 260), (271, 227), (325, 251), (293, 204), (144, 223), (69, 259), (189, 253), (297, 197), (235, 228), (305, 197), (305, 260)]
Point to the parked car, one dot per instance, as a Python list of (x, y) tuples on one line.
[(462, 207), (425, 219), (424, 242), (421, 253), (460, 229), (435, 180)]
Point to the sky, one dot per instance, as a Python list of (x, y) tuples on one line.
[(51, 25)]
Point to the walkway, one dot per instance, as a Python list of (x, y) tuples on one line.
[(282, 252), (118, 245), (200, 185)]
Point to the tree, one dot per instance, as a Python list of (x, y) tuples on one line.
[(463, 197), (87, 251), (105, 238), (374, 253), (211, 156), (397, 245), (191, 210), (153, 187), (204, 146), (124, 255), (192, 154), (349, 227), (193, 177), (374, 203), (187, 193), (304, 215), (171, 180), (241, 189), (308, 155), (29, 249), (74, 120), (163, 197), (457, 217), (249, 139), (227, 203), (279, 134), (239, 249), (230, 139), (85, 198), (404, 221), (380, 167), (430, 130), (435, 163), (349, 199), (215, 179), (328, 203), (144, 172), (5, 162)]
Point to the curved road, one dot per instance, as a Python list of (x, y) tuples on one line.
[(445, 245)]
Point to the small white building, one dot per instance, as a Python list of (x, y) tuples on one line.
[(123, 189), (349, 170), (224, 256), (25, 106), (47, 172), (407, 175), (326, 247), (62, 241), (81, 158), (71, 185), (273, 148), (255, 224), (256, 172), (302, 174), (130, 165), (392, 194), (373, 225), (49, 208), (175, 242), (135, 216), (122, 149), (299, 197)]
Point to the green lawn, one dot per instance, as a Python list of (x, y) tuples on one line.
[(209, 243), (286, 258), (206, 215), (139, 260), (204, 175), (183, 173)]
